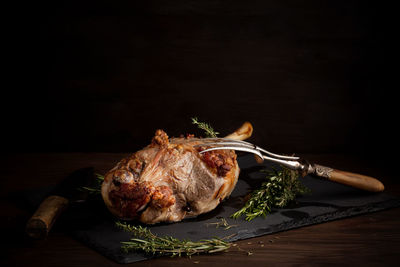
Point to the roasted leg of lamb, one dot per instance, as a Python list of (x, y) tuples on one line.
[(169, 180)]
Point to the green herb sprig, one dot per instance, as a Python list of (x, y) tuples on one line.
[(209, 131), (145, 241), (96, 188), (280, 188), (223, 223)]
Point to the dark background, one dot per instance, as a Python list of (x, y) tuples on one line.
[(102, 76)]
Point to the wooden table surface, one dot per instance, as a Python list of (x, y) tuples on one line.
[(371, 239)]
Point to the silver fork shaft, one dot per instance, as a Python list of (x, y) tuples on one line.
[(291, 164)]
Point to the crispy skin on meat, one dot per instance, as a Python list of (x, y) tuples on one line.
[(128, 199), (169, 180)]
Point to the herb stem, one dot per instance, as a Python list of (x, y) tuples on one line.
[(145, 241), (96, 188), (280, 188), (209, 131)]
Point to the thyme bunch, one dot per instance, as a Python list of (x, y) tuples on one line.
[(209, 131), (145, 241), (280, 188)]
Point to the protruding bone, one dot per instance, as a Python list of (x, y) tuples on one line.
[(242, 133)]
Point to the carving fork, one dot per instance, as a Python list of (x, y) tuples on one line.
[(295, 163)]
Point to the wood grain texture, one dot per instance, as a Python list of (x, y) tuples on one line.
[(368, 240), (310, 76), (92, 76), (356, 180)]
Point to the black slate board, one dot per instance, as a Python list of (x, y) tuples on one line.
[(93, 225)]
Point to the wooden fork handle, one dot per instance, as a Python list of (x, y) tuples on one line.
[(349, 178)]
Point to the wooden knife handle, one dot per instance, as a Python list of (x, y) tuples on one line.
[(349, 178), (39, 225)]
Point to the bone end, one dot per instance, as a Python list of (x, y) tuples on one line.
[(242, 133)]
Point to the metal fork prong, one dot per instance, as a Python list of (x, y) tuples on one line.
[(227, 141), (244, 149), (277, 155), (268, 152), (292, 164)]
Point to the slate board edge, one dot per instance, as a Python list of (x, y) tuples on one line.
[(327, 217), (345, 213)]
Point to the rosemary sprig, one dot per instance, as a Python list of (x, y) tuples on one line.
[(209, 131), (222, 223), (145, 241), (280, 188), (96, 189)]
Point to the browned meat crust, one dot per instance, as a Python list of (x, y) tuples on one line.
[(169, 180)]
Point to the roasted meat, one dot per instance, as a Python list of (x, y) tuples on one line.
[(169, 180)]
